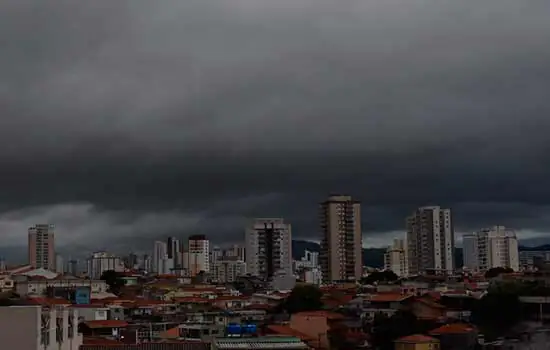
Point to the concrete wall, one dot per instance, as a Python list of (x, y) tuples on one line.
[(20, 327)]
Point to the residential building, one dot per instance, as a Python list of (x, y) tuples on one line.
[(41, 246), (198, 254), (174, 252), (227, 269), (268, 248), (100, 262), (395, 258), (72, 267), (417, 342), (527, 258), (310, 260), (236, 250), (59, 264), (341, 242), (490, 248), (26, 327), (216, 253), (160, 257), (430, 241)]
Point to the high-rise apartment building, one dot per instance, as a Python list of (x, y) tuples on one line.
[(59, 264), (174, 252), (268, 248), (198, 253), (341, 257), (236, 251), (100, 262), (41, 246), (395, 258), (160, 258), (490, 248), (430, 240)]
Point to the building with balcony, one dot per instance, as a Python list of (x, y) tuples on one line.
[(341, 242), (26, 327), (395, 258), (430, 241), (490, 248), (268, 248)]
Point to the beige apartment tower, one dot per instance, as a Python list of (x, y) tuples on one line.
[(341, 255), (42, 247)]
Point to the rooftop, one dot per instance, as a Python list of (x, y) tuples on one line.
[(267, 342), (417, 338)]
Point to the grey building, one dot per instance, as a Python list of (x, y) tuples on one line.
[(430, 240)]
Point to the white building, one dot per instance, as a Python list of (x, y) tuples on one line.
[(100, 262), (237, 251), (395, 258), (160, 257), (227, 269), (430, 240), (312, 275), (268, 248), (36, 328), (198, 255), (310, 260), (490, 248)]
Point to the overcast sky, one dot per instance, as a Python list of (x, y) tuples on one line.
[(126, 121)]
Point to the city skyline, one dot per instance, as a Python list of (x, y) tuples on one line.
[(114, 134)]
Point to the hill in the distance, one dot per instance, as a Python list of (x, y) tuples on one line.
[(372, 257)]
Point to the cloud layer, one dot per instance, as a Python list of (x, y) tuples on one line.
[(141, 119)]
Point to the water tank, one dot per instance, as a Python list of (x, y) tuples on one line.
[(250, 329), (234, 328)]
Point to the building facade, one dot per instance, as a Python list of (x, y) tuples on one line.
[(268, 248), (160, 258), (198, 254), (341, 257), (490, 248), (38, 328), (227, 269), (41, 246), (100, 262), (430, 240), (395, 258)]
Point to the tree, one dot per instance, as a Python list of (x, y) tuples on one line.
[(113, 280), (385, 330), (497, 312), (380, 276), (496, 271), (303, 298)]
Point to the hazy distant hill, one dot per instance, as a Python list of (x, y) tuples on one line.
[(372, 257)]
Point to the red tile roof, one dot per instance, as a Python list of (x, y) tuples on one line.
[(417, 338), (106, 324), (49, 301), (389, 297), (453, 328), (288, 331), (321, 313)]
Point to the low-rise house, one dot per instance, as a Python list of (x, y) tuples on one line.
[(385, 303), (102, 327), (417, 342), (456, 336), (317, 324)]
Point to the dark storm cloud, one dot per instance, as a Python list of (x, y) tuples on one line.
[(141, 119)]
